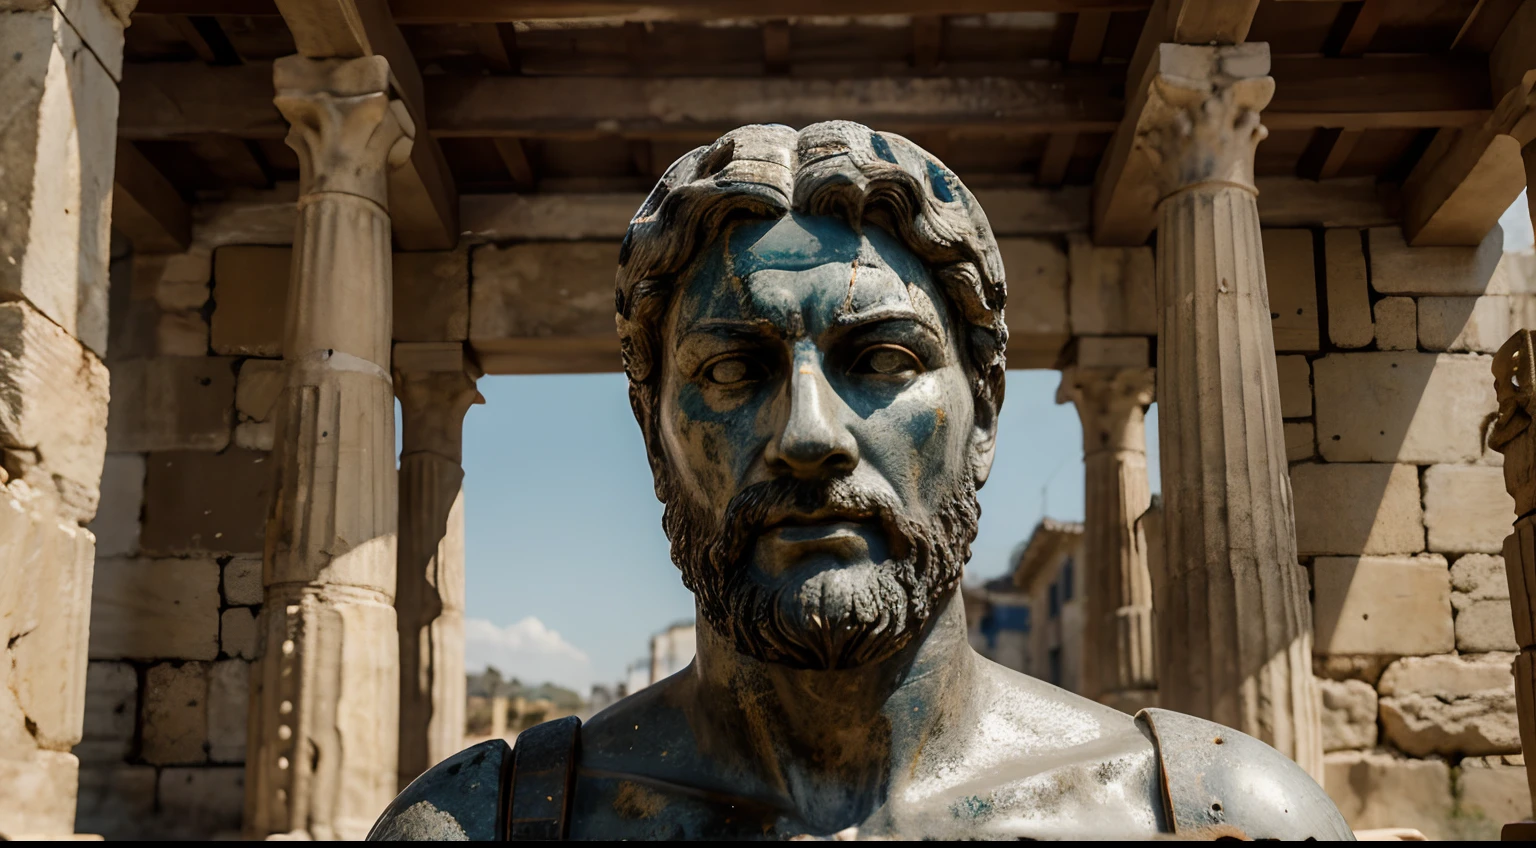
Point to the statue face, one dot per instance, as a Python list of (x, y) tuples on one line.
[(818, 428)]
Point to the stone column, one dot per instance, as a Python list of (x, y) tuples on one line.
[(1117, 631), (1234, 625), (58, 93), (436, 386), (324, 719)]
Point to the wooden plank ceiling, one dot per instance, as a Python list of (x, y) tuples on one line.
[(559, 96)]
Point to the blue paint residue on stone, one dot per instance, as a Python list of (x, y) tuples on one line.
[(882, 148), (940, 181)]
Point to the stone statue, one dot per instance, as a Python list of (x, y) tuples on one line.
[(812, 325)]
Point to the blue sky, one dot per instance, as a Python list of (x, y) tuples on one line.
[(567, 569)]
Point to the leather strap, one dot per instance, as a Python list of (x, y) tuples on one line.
[(543, 780)]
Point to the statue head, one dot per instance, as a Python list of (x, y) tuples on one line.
[(812, 326)]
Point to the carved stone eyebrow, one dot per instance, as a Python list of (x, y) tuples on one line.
[(889, 312), (735, 328)]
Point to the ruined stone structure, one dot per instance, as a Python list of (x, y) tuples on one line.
[(504, 154)]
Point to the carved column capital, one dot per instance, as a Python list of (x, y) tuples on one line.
[(1111, 403), (435, 383), (344, 126), (1201, 125)]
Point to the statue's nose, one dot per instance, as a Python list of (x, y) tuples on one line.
[(813, 442)]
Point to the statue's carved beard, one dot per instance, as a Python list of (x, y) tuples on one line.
[(833, 616)]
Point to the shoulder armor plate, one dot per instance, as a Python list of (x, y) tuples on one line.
[(1218, 782), (457, 800)]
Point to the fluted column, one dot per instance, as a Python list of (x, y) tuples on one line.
[(1234, 625), (1117, 642), (323, 725), (436, 386)]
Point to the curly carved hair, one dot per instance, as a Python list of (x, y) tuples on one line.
[(836, 168)]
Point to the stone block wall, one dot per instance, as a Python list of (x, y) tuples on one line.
[(180, 535), (1400, 516)]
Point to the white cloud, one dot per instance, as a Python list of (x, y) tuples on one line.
[(527, 650), (1516, 222)]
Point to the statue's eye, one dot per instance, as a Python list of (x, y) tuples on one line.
[(728, 372), (887, 361)]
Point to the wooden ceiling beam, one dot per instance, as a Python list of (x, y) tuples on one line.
[(1468, 178), (423, 199), (146, 207), (506, 11), (1088, 32)]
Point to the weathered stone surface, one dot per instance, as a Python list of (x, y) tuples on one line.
[(176, 714), (432, 296), (172, 403), (1357, 508), (116, 801), (542, 289), (1467, 508), (229, 686), (1364, 668), (1397, 325), (1481, 598), (1515, 273), (1300, 441), (250, 293), (196, 502), (242, 579), (111, 711), (1291, 273), (1349, 714), (58, 142), (1492, 791), (1114, 352), (181, 334), (39, 795), (1378, 790), (1382, 605), (258, 388), (237, 632), (1402, 407), (1037, 320), (155, 609), (116, 525), (1476, 324), (1397, 268), (203, 802), (1450, 705), (1113, 290), (53, 400), (174, 281), (1349, 302), (255, 435), (1295, 386), (45, 569)]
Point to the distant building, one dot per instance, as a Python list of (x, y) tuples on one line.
[(1031, 619), (672, 650)]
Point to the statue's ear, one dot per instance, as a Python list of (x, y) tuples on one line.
[(983, 440)]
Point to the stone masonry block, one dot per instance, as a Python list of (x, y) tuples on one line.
[(1349, 302), (1402, 407), (1291, 273), (431, 296), (1114, 352), (174, 281), (1300, 441), (172, 403), (542, 289), (116, 801), (250, 293), (1480, 594), (229, 687), (196, 502), (1467, 508), (1476, 324), (155, 609), (39, 795), (237, 632), (122, 501), (1492, 791), (1397, 268), (258, 388), (200, 802), (176, 714), (45, 595), (242, 579), (57, 149), (1295, 386), (1450, 705), (1357, 508), (1037, 321), (111, 712), (181, 334), (1380, 790), (255, 435), (1381, 605), (1397, 325), (1348, 714), (1113, 290), (53, 400)]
